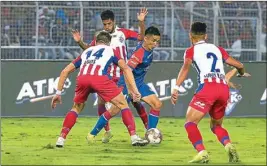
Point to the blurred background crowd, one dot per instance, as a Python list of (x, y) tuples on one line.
[(42, 30)]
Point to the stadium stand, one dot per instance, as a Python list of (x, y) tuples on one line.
[(41, 30)]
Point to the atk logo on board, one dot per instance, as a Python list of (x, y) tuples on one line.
[(235, 98), (39, 90)]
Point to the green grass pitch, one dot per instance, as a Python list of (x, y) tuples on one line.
[(31, 141)]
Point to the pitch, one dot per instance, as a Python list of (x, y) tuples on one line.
[(31, 141)]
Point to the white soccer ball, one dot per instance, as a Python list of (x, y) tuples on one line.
[(188, 83), (154, 136)]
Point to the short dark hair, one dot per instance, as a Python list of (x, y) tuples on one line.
[(152, 31), (107, 14), (198, 28), (103, 37)]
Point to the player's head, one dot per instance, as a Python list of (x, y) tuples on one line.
[(103, 37), (198, 32), (108, 20), (152, 38)]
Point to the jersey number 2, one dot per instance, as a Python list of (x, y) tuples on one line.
[(212, 55)]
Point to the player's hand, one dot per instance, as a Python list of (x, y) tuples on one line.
[(174, 96), (244, 75), (76, 35), (55, 100), (142, 14), (136, 96), (233, 85)]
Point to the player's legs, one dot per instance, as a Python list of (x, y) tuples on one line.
[(155, 106), (149, 97), (122, 105), (217, 114), (82, 91), (141, 110), (198, 107), (101, 108), (109, 91), (193, 117), (69, 122), (138, 106)]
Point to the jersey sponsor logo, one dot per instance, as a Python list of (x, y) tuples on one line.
[(40, 90), (235, 98), (263, 97), (200, 104)]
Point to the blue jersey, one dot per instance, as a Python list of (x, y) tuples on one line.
[(140, 61)]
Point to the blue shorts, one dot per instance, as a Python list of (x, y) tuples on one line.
[(143, 89)]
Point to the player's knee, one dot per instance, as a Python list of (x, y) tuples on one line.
[(100, 101), (215, 123), (114, 110), (78, 107), (120, 102), (157, 105)]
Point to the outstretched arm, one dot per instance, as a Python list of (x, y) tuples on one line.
[(180, 79), (62, 78), (141, 18), (77, 37), (129, 79)]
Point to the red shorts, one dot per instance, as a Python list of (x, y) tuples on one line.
[(102, 85), (211, 98)]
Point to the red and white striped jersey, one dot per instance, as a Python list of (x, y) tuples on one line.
[(208, 61), (118, 42), (96, 60)]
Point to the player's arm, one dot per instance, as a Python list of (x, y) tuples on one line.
[(182, 75), (180, 79), (141, 18), (62, 78), (183, 72), (77, 37), (229, 76), (233, 62), (128, 76)]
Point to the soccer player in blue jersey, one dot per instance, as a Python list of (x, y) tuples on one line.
[(139, 62)]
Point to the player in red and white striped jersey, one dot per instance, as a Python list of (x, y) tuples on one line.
[(212, 94), (93, 78), (118, 42)]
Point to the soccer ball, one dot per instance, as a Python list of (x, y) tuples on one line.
[(154, 136)]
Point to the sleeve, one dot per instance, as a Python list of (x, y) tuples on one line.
[(135, 59), (189, 53), (77, 62), (116, 56), (93, 42), (129, 34), (225, 55)]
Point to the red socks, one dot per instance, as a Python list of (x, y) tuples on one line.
[(128, 120), (68, 123), (194, 136), (141, 110), (222, 134)]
